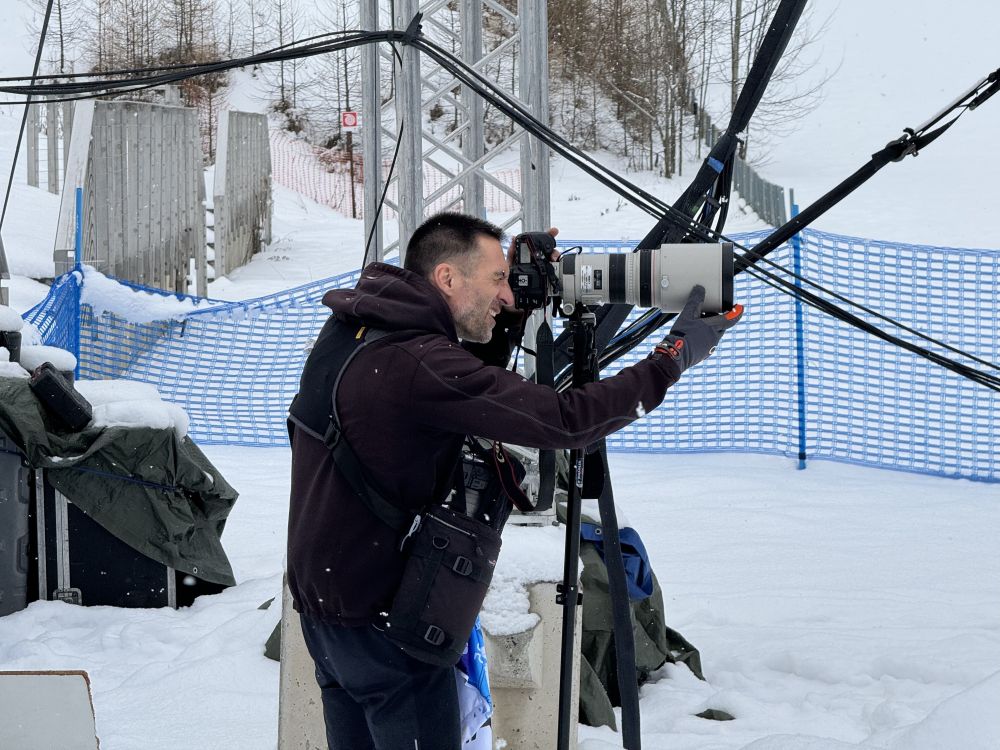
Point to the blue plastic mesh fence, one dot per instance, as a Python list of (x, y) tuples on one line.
[(55, 317), (235, 366)]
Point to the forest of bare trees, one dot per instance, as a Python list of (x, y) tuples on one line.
[(625, 75), (628, 74)]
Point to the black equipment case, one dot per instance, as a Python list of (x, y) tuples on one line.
[(59, 397), (77, 560), (14, 528)]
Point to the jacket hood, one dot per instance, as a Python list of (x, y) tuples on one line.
[(394, 299)]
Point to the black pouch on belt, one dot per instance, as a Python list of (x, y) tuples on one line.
[(449, 566)]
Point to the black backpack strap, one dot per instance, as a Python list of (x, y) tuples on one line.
[(347, 460), (314, 410), (352, 470)]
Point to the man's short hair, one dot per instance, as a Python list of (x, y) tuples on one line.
[(446, 237)]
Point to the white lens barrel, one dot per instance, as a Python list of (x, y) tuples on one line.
[(660, 278)]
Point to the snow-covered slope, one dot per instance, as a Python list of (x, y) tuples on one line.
[(835, 608), (900, 63)]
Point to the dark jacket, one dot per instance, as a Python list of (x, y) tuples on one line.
[(405, 405)]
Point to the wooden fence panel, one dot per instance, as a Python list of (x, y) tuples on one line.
[(242, 189), (140, 169)]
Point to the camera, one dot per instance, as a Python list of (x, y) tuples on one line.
[(660, 277)]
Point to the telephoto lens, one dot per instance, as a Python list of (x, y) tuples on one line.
[(662, 277)]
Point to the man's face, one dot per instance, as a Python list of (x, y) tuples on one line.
[(480, 289)]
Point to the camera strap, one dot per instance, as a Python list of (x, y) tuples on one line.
[(502, 466)]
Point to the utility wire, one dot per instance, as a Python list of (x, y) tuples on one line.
[(908, 144), (24, 116)]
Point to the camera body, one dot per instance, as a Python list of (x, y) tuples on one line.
[(660, 277), (533, 277)]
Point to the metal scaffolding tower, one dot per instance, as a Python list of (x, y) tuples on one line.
[(443, 123)]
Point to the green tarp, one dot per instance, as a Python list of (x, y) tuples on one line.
[(156, 492)]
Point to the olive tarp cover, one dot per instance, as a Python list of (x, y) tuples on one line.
[(156, 492)]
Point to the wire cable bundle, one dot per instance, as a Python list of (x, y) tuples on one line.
[(753, 261)]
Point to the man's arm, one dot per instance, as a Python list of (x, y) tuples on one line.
[(452, 390)]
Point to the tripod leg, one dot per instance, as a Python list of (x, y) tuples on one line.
[(621, 609), (569, 597)]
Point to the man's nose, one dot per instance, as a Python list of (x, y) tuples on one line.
[(506, 296)]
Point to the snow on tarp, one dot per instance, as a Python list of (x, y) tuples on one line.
[(127, 403), (107, 295), (9, 319), (34, 355), (10, 369)]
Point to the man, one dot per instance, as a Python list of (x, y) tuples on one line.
[(405, 404)]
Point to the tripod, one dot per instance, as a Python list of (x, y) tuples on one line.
[(590, 462)]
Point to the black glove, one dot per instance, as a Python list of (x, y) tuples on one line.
[(693, 337)]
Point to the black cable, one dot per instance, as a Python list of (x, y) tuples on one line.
[(159, 68), (467, 75), (24, 117)]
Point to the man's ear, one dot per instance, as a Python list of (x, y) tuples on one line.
[(443, 277)]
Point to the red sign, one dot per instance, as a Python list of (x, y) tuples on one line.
[(350, 121)]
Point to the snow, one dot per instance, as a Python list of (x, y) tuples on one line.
[(126, 403), (33, 356), (835, 608), (10, 369), (898, 64), (107, 295), (158, 415), (529, 555), (10, 320)]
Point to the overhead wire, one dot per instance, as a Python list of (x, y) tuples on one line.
[(24, 116), (649, 203)]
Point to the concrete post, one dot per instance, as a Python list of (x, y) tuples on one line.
[(300, 708), (524, 681), (524, 677)]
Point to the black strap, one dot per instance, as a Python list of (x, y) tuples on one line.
[(500, 460), (352, 470)]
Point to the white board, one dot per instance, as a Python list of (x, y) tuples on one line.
[(43, 710)]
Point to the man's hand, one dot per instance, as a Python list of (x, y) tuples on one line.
[(512, 250), (693, 338)]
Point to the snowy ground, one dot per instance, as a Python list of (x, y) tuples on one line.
[(832, 605), (837, 607)]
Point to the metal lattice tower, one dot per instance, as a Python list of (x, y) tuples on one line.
[(456, 158)]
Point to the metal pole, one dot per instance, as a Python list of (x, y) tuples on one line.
[(408, 117), (52, 145), (569, 598), (800, 358), (473, 142), (4, 276), (534, 92), (371, 139), (32, 144)]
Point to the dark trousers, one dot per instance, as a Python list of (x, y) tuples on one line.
[(377, 697)]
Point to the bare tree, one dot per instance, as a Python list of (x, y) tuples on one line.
[(795, 86)]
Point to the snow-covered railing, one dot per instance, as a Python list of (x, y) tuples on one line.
[(316, 174)]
